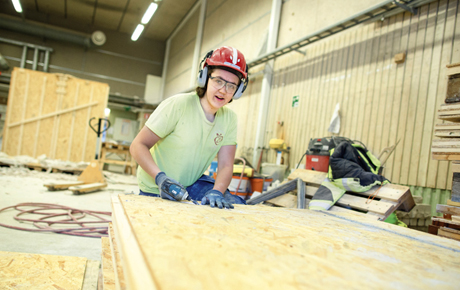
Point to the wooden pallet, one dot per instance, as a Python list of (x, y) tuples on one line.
[(389, 198), (121, 151)]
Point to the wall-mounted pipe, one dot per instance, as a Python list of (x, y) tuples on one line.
[(37, 29)]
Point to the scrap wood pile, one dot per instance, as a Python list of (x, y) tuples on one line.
[(449, 224), (377, 203), (448, 146), (161, 244)]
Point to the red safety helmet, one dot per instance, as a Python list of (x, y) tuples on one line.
[(229, 57)]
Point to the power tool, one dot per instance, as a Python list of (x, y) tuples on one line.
[(176, 192)]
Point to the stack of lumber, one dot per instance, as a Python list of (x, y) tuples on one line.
[(448, 147), (449, 225), (37, 271), (388, 198), (171, 245)]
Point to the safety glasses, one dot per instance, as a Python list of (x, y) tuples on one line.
[(219, 83)]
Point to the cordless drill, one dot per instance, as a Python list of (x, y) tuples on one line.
[(176, 192)]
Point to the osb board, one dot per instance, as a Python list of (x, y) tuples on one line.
[(35, 271), (257, 247), (108, 272), (116, 260), (49, 114)]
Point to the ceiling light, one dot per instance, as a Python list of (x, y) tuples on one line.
[(17, 6), (137, 32), (149, 13)]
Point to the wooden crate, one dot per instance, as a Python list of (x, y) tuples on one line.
[(49, 114)]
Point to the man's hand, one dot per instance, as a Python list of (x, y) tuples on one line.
[(215, 197), (168, 187)]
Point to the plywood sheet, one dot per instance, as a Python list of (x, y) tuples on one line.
[(35, 271), (256, 247), (49, 114), (108, 272)]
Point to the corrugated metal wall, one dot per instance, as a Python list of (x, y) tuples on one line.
[(381, 102)]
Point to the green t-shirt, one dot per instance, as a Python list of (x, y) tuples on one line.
[(189, 142)]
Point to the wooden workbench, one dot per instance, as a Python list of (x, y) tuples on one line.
[(171, 245)]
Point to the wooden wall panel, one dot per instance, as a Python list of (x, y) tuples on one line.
[(49, 114), (381, 102)]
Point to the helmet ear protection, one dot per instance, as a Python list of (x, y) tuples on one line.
[(203, 77), (203, 74), (242, 87)]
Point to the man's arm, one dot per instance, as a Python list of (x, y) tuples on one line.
[(225, 157)]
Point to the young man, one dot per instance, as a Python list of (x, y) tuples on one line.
[(186, 131)]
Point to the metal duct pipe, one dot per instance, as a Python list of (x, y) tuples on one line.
[(3, 63), (44, 31)]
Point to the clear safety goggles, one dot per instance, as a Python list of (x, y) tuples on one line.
[(219, 83)]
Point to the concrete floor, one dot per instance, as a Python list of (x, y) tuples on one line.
[(20, 185)]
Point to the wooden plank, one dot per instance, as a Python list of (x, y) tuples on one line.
[(135, 269), (271, 242), (86, 188), (453, 203), (443, 156), (116, 260), (380, 207), (445, 221), (90, 282), (60, 185), (61, 112), (311, 177), (37, 271), (449, 233), (108, 270)]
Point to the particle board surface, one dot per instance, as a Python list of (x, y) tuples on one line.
[(254, 247), (108, 271), (116, 261), (49, 113), (35, 271)]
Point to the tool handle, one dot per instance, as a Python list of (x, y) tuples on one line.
[(99, 130)]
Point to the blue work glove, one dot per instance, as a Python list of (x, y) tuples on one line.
[(168, 187), (215, 197)]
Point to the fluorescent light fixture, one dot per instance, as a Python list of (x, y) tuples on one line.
[(17, 6), (137, 32), (149, 13)]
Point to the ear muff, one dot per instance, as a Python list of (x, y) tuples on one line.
[(241, 88), (202, 77), (203, 73)]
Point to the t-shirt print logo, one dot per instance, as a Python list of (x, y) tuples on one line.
[(218, 139)]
